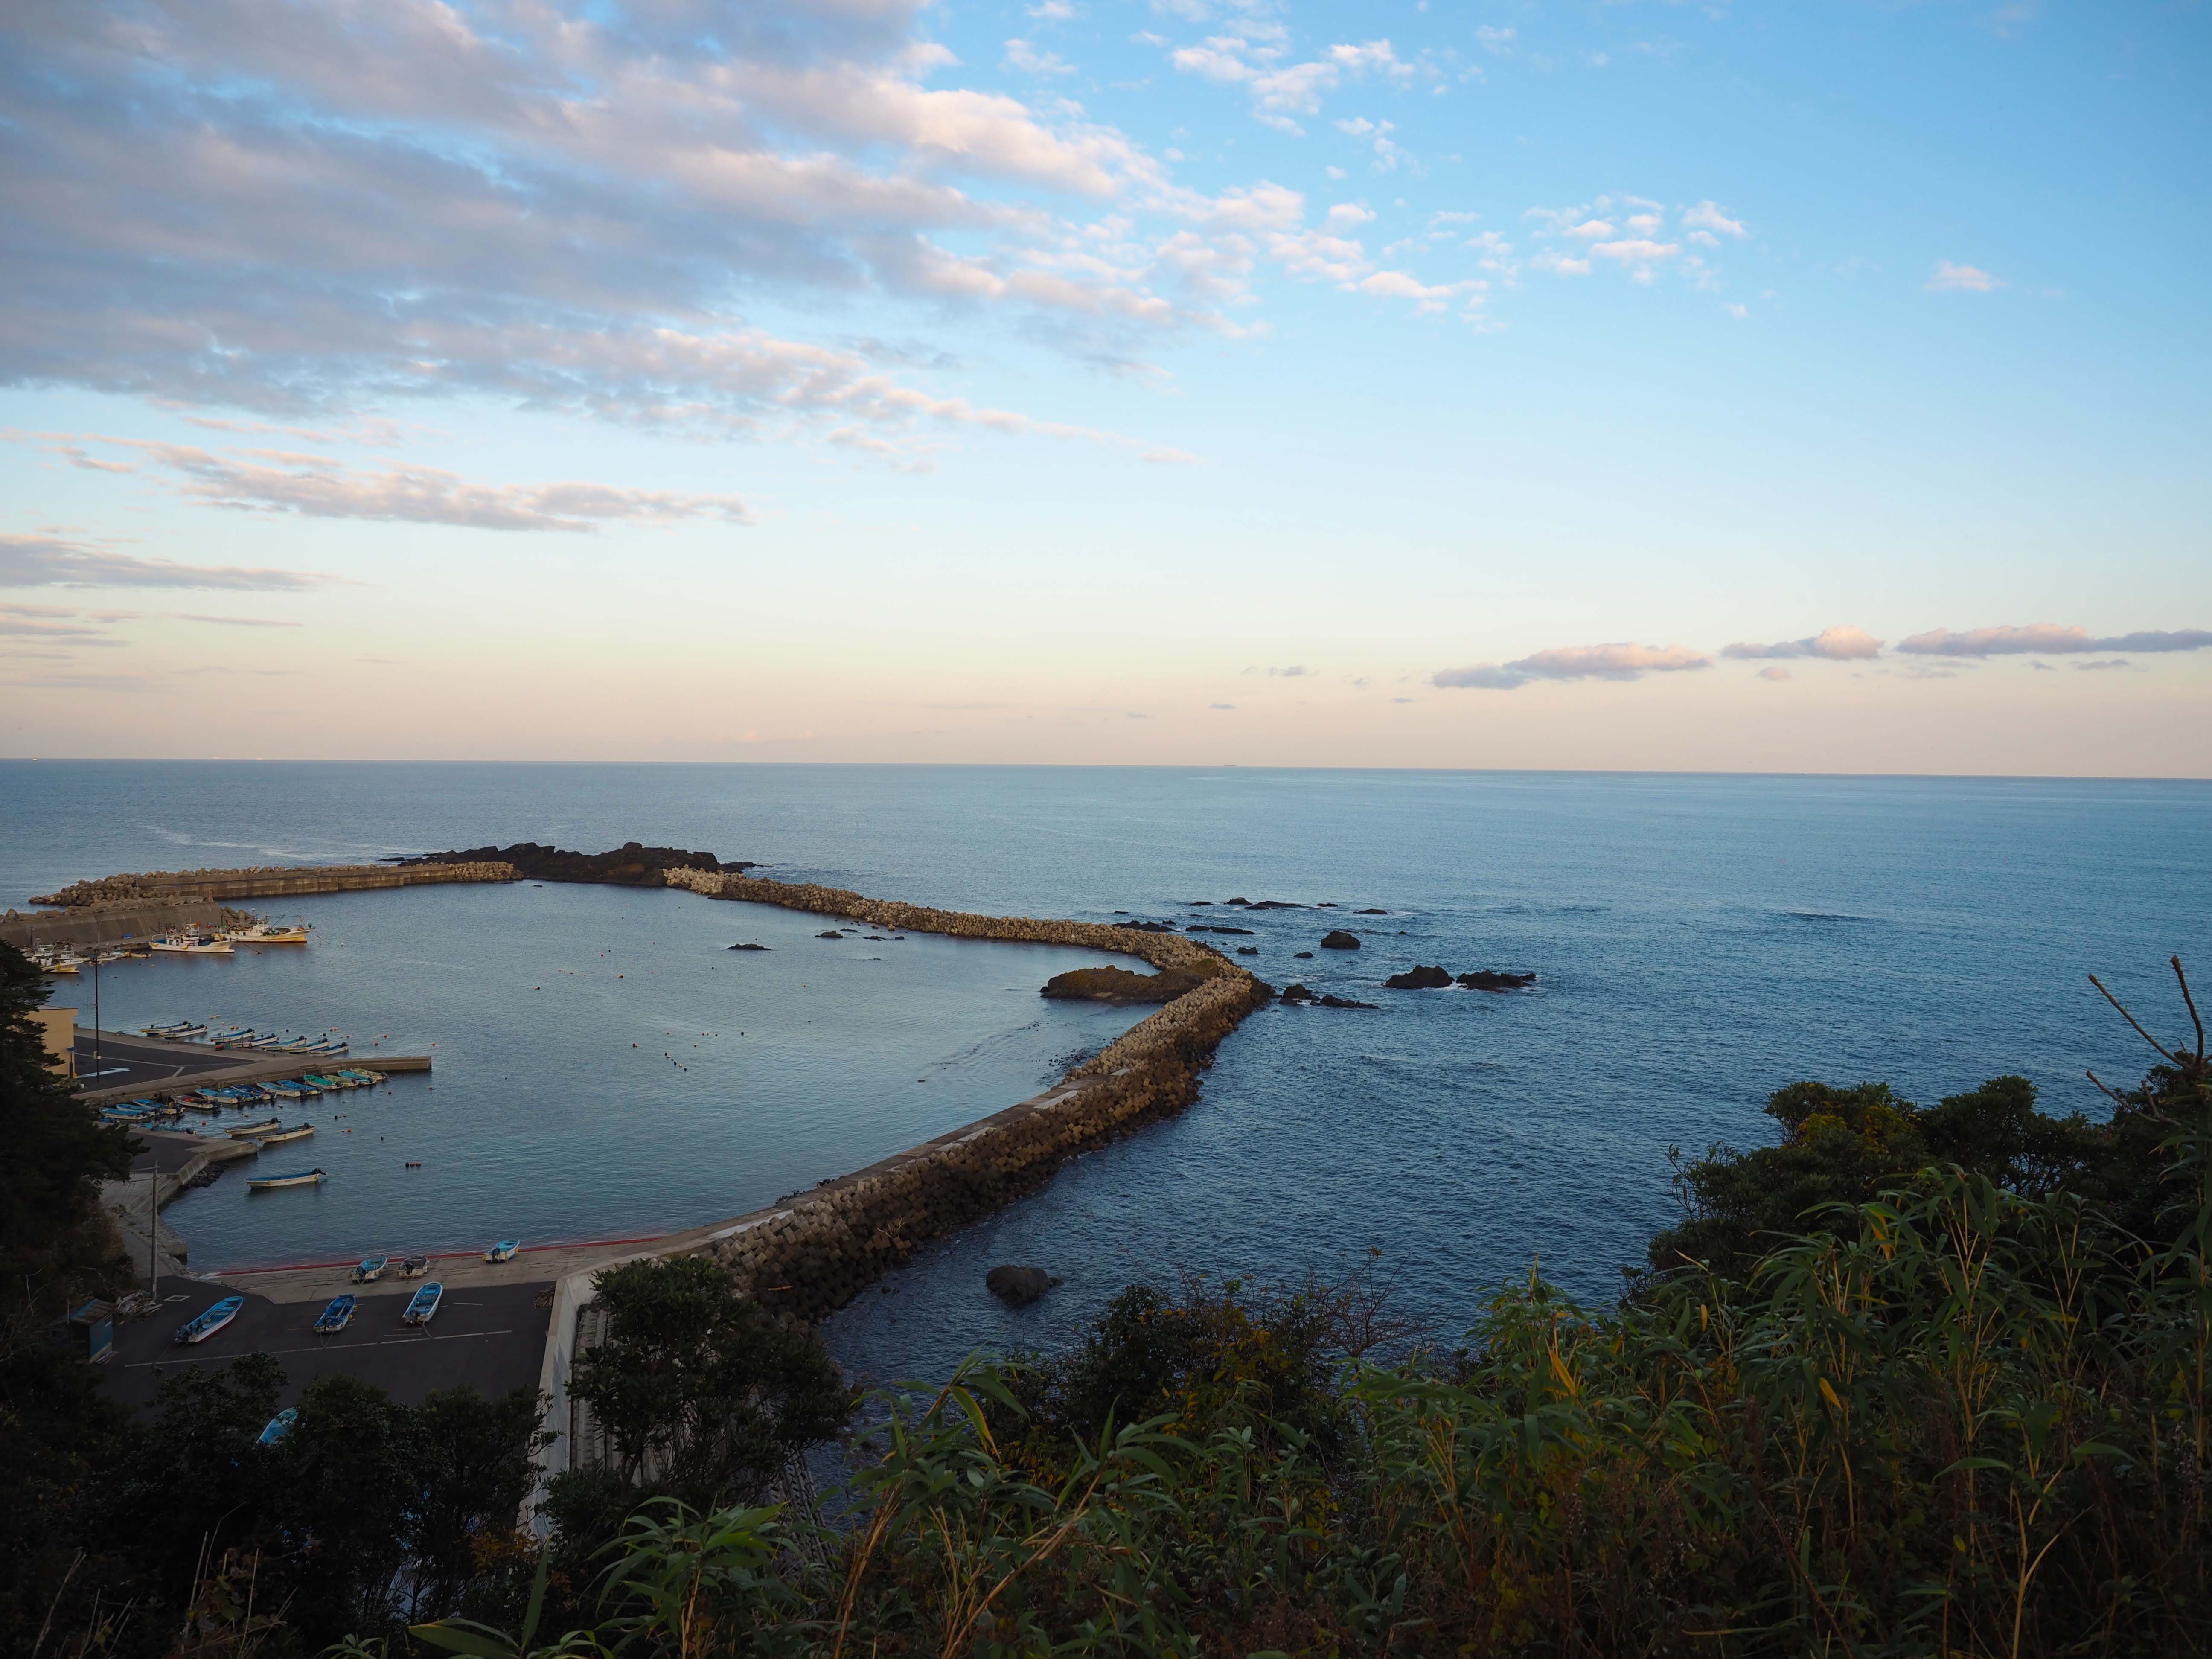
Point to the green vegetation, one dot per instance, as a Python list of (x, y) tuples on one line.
[(1914, 1380)]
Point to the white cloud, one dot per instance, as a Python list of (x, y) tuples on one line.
[(1705, 216), (1021, 55), (1962, 279), (1493, 39), (1621, 660), (2052, 640), (1774, 673), (1842, 643)]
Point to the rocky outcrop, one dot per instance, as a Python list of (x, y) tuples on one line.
[(1420, 979), (745, 947), (1337, 939), (1017, 1286), (630, 864), (1297, 995), (263, 881), (1492, 979), (1118, 985)]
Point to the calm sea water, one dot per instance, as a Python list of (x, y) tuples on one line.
[(1700, 940)]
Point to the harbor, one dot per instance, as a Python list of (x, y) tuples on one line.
[(125, 1066)]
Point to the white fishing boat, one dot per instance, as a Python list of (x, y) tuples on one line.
[(265, 932), (249, 1130), (414, 1266), (270, 1183), (277, 1137), (207, 1324), (424, 1303), (504, 1250), (369, 1269)]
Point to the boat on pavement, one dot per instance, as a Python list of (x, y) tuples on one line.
[(414, 1266), (504, 1250), (206, 1325), (336, 1317), (423, 1304), (280, 1425), (370, 1268), (299, 1178)]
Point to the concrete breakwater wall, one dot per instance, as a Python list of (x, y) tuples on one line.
[(811, 1256), (274, 881), (116, 924)]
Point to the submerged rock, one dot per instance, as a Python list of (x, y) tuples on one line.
[(1420, 979), (829, 933), (1211, 927), (1338, 939), (1344, 1002), (1303, 956), (1247, 950), (1374, 913), (1492, 979), (1299, 995), (1118, 985), (749, 947), (1295, 994), (1017, 1286), (1274, 904), (1148, 926)]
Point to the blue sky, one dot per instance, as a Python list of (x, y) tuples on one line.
[(855, 380)]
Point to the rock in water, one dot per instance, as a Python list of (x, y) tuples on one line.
[(1295, 994), (1118, 985), (831, 934), (1017, 1286), (1338, 939), (749, 947), (1420, 979), (1492, 979), (1333, 1001)]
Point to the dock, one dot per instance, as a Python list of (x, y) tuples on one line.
[(138, 1067)]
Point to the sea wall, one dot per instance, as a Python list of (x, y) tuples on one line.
[(272, 881), (811, 1256), (115, 924)]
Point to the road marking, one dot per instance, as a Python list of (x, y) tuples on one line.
[(319, 1347)]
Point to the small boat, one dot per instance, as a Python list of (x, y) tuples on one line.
[(307, 1090), (248, 1131), (181, 1030), (125, 1114), (280, 1425), (270, 1183), (275, 1137), (425, 1303), (284, 1090), (200, 1101), (235, 1034), (61, 964), (207, 1324), (171, 1026), (336, 1317), (504, 1250), (361, 1079), (414, 1266), (369, 1269)]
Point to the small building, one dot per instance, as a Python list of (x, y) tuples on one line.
[(89, 1332), (58, 1027)]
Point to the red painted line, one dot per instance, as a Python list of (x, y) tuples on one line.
[(442, 1256)]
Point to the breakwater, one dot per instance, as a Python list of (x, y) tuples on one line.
[(812, 1255), (117, 924), (274, 881)]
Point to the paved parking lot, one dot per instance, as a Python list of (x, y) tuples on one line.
[(490, 1336), (123, 1064)]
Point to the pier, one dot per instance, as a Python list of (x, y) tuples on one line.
[(138, 1067)]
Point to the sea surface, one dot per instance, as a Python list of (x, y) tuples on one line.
[(1699, 941)]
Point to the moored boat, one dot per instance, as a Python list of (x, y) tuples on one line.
[(369, 1269), (336, 1317), (277, 1137), (504, 1250), (270, 1183), (285, 1090), (280, 1425), (206, 1325), (424, 1303), (248, 1131)]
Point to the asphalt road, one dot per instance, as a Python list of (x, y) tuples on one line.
[(122, 1063), (491, 1337)]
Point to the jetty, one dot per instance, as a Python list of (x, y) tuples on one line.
[(133, 1067)]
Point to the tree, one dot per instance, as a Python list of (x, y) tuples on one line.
[(702, 1393)]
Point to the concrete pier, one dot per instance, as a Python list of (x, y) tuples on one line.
[(156, 1069)]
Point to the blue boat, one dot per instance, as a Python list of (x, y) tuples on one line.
[(280, 1425), (206, 1325), (424, 1305), (369, 1269), (504, 1250), (336, 1317)]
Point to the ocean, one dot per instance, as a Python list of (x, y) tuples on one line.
[(1698, 941)]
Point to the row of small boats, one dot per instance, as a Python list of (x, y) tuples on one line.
[(217, 942), (245, 1036), (421, 1307), (240, 1095), (370, 1268)]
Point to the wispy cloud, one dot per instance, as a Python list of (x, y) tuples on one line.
[(1620, 660), (1845, 643), (2050, 640), (49, 561), (1950, 278)]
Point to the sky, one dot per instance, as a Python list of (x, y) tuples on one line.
[(1808, 387)]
